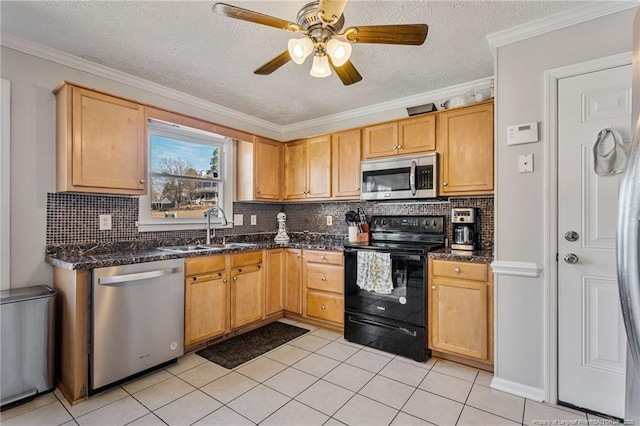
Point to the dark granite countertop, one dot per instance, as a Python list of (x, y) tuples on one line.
[(123, 253), (485, 256)]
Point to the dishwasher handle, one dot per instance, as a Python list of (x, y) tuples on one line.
[(123, 279)]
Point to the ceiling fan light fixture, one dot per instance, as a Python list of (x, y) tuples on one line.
[(339, 51), (320, 66), (299, 49)]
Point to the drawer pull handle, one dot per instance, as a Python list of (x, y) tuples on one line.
[(456, 270), (323, 307)]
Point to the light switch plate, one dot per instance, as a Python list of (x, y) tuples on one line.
[(329, 220), (105, 222), (254, 220), (525, 163), (238, 219)]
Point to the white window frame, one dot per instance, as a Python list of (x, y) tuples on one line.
[(227, 155)]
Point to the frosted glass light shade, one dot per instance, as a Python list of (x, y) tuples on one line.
[(339, 51), (320, 67), (299, 49)]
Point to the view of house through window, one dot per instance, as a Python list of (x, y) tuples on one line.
[(187, 174)]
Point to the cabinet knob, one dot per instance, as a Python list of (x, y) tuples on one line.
[(235, 278), (323, 307), (395, 147), (444, 184), (357, 188), (433, 287), (224, 281), (323, 258), (323, 278), (298, 256), (257, 191), (456, 270), (399, 146), (142, 181)]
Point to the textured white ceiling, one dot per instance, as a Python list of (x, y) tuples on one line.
[(184, 46)]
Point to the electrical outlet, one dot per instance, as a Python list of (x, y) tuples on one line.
[(238, 219), (329, 220), (254, 220), (105, 222)]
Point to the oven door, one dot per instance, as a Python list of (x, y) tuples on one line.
[(406, 303)]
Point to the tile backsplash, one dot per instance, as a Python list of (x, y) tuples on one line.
[(73, 218)]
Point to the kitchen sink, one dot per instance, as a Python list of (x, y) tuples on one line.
[(188, 249), (227, 245), (195, 248)]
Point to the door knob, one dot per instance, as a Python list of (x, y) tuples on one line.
[(571, 236), (570, 258)]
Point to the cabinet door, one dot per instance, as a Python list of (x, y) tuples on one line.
[(295, 169), (459, 317), (417, 134), (274, 301), (293, 281), (267, 169), (319, 167), (247, 295), (205, 307), (108, 139), (465, 142), (380, 140), (345, 164)]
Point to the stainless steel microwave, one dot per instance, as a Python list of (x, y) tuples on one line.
[(400, 178)]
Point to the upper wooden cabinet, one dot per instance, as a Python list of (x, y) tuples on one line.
[(100, 143), (465, 144), (259, 171), (307, 165), (345, 164), (417, 134)]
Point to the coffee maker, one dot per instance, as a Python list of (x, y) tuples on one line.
[(465, 229)]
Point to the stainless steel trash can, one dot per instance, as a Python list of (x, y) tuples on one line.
[(27, 349)]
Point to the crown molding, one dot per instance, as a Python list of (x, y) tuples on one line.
[(400, 103), (44, 52), (558, 21)]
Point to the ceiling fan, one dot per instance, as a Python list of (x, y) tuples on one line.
[(321, 23)]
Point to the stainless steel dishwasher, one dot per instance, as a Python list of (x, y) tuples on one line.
[(137, 319)]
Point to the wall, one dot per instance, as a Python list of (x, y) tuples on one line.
[(520, 198), (71, 218)]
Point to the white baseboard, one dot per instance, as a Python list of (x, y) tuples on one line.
[(515, 388)]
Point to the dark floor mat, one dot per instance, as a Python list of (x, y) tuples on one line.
[(243, 348)]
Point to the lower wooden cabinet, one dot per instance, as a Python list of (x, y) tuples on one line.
[(247, 297), (293, 281), (206, 293), (275, 281), (460, 314), (324, 286)]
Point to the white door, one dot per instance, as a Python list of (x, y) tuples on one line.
[(591, 337)]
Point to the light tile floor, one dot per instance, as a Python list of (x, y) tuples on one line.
[(316, 379)]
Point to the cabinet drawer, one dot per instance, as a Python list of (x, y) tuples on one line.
[(325, 277), (325, 306), (460, 270), (246, 258), (204, 264), (324, 257)]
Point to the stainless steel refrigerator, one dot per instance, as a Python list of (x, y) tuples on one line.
[(628, 242)]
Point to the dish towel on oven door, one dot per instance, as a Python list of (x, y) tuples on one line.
[(374, 272)]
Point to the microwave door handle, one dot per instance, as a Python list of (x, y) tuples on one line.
[(412, 177)]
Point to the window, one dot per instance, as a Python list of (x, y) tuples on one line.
[(189, 172)]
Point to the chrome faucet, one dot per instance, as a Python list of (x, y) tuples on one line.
[(220, 214)]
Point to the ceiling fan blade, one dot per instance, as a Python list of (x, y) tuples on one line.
[(332, 8), (413, 34), (274, 64), (347, 72), (251, 16)]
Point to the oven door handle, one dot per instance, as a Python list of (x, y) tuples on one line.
[(377, 324), (412, 177)]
